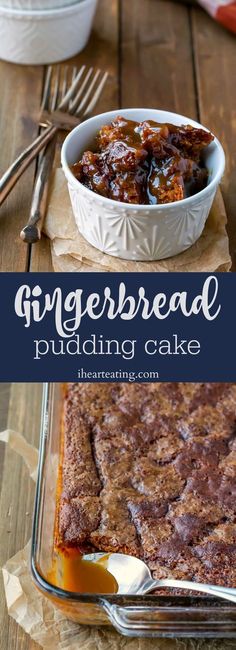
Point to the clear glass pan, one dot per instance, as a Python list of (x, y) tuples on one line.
[(146, 616)]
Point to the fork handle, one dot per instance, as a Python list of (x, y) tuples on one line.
[(31, 233), (13, 173)]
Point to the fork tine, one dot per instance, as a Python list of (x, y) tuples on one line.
[(47, 88), (96, 95), (88, 93), (74, 92), (56, 88), (76, 99), (73, 76), (64, 83), (73, 88), (74, 73)]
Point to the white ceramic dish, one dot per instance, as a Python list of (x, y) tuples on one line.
[(34, 5), (136, 232), (38, 37)]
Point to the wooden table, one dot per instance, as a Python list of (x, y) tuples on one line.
[(160, 54), (19, 410)]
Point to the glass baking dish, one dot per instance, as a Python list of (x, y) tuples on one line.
[(144, 616)]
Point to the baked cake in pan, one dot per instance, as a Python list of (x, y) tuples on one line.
[(150, 470)]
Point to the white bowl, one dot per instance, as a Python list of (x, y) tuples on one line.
[(138, 232), (34, 5), (38, 37)]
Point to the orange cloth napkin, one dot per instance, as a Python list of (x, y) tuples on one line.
[(223, 10)]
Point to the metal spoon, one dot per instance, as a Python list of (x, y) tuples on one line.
[(134, 577)]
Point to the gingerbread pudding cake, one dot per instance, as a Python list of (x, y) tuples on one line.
[(150, 470)]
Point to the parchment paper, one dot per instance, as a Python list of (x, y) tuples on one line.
[(46, 625), (71, 252)]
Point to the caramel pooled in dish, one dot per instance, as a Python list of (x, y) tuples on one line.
[(150, 470), (145, 163)]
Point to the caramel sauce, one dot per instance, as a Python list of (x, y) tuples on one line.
[(72, 573), (145, 163)]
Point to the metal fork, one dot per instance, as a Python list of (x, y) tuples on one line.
[(86, 82), (31, 233)]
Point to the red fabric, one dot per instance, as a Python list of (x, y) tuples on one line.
[(227, 16)]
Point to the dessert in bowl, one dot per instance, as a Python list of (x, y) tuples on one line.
[(142, 181)]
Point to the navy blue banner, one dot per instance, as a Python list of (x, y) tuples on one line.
[(117, 327)]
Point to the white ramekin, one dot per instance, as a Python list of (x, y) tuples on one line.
[(32, 5), (136, 232), (38, 37)]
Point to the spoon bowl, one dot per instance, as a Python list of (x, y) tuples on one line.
[(130, 572)]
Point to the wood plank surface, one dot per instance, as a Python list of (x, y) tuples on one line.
[(4, 403), (215, 58), (17, 498), (155, 50), (21, 88)]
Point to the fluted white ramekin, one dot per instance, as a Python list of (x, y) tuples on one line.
[(138, 232), (34, 5), (39, 37)]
